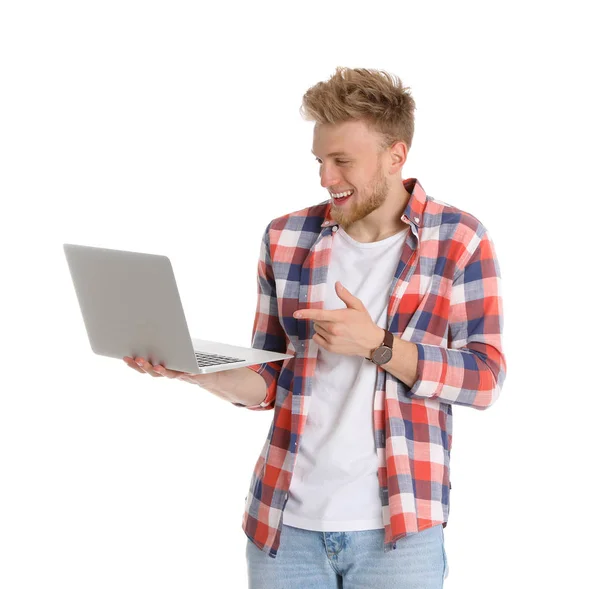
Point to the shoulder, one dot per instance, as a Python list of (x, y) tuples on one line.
[(452, 232), (450, 219), (308, 219)]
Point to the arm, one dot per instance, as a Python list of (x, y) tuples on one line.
[(240, 386), (471, 371), (267, 332)]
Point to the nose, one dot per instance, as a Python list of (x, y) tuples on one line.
[(329, 176)]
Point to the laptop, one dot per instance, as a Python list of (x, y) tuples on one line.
[(131, 307)]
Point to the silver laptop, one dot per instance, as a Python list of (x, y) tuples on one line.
[(131, 307)]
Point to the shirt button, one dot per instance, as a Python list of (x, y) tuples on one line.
[(334, 228), (416, 219)]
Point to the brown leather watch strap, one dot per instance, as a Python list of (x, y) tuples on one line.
[(388, 341)]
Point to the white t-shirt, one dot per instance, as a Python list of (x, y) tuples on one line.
[(334, 486)]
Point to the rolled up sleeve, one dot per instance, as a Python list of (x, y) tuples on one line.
[(267, 332), (472, 369)]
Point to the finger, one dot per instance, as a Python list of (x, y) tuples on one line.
[(326, 325), (321, 331), (329, 329), (129, 361), (318, 314), (321, 341), (146, 367), (159, 369), (349, 299)]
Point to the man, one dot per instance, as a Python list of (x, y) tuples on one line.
[(390, 302)]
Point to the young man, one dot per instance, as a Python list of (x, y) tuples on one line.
[(390, 302)]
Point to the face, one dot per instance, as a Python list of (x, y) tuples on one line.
[(349, 158)]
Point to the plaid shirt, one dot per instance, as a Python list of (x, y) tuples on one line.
[(445, 298)]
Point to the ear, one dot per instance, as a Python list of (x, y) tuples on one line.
[(398, 155)]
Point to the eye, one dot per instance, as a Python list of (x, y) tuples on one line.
[(337, 161)]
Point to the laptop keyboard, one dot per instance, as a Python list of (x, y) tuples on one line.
[(212, 359)]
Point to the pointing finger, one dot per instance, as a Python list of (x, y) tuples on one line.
[(317, 315)]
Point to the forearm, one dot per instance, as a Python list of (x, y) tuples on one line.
[(240, 385), (471, 375), (403, 364), (462, 377)]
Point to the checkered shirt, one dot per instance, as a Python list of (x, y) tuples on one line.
[(445, 298)]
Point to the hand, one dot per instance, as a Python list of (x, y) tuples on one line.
[(143, 366), (349, 331)]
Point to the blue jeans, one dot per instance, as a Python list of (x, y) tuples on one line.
[(353, 560)]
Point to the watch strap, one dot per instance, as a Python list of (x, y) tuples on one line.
[(388, 342)]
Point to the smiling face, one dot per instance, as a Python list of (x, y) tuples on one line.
[(350, 158)]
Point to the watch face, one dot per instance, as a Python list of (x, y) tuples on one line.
[(382, 355)]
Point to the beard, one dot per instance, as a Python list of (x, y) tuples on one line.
[(374, 197)]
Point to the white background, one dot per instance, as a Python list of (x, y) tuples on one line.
[(173, 128)]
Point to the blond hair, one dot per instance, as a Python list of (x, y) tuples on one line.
[(373, 96)]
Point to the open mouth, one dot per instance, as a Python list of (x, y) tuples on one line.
[(342, 200)]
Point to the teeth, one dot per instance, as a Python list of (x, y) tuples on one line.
[(342, 194)]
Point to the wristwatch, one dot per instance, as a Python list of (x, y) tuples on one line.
[(383, 353)]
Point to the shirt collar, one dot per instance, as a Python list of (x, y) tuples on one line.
[(413, 212)]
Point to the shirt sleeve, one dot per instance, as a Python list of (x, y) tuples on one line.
[(471, 371), (267, 332)]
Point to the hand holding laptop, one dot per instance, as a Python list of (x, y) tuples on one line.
[(143, 366), (241, 387)]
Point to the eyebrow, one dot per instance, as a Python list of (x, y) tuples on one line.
[(332, 153)]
